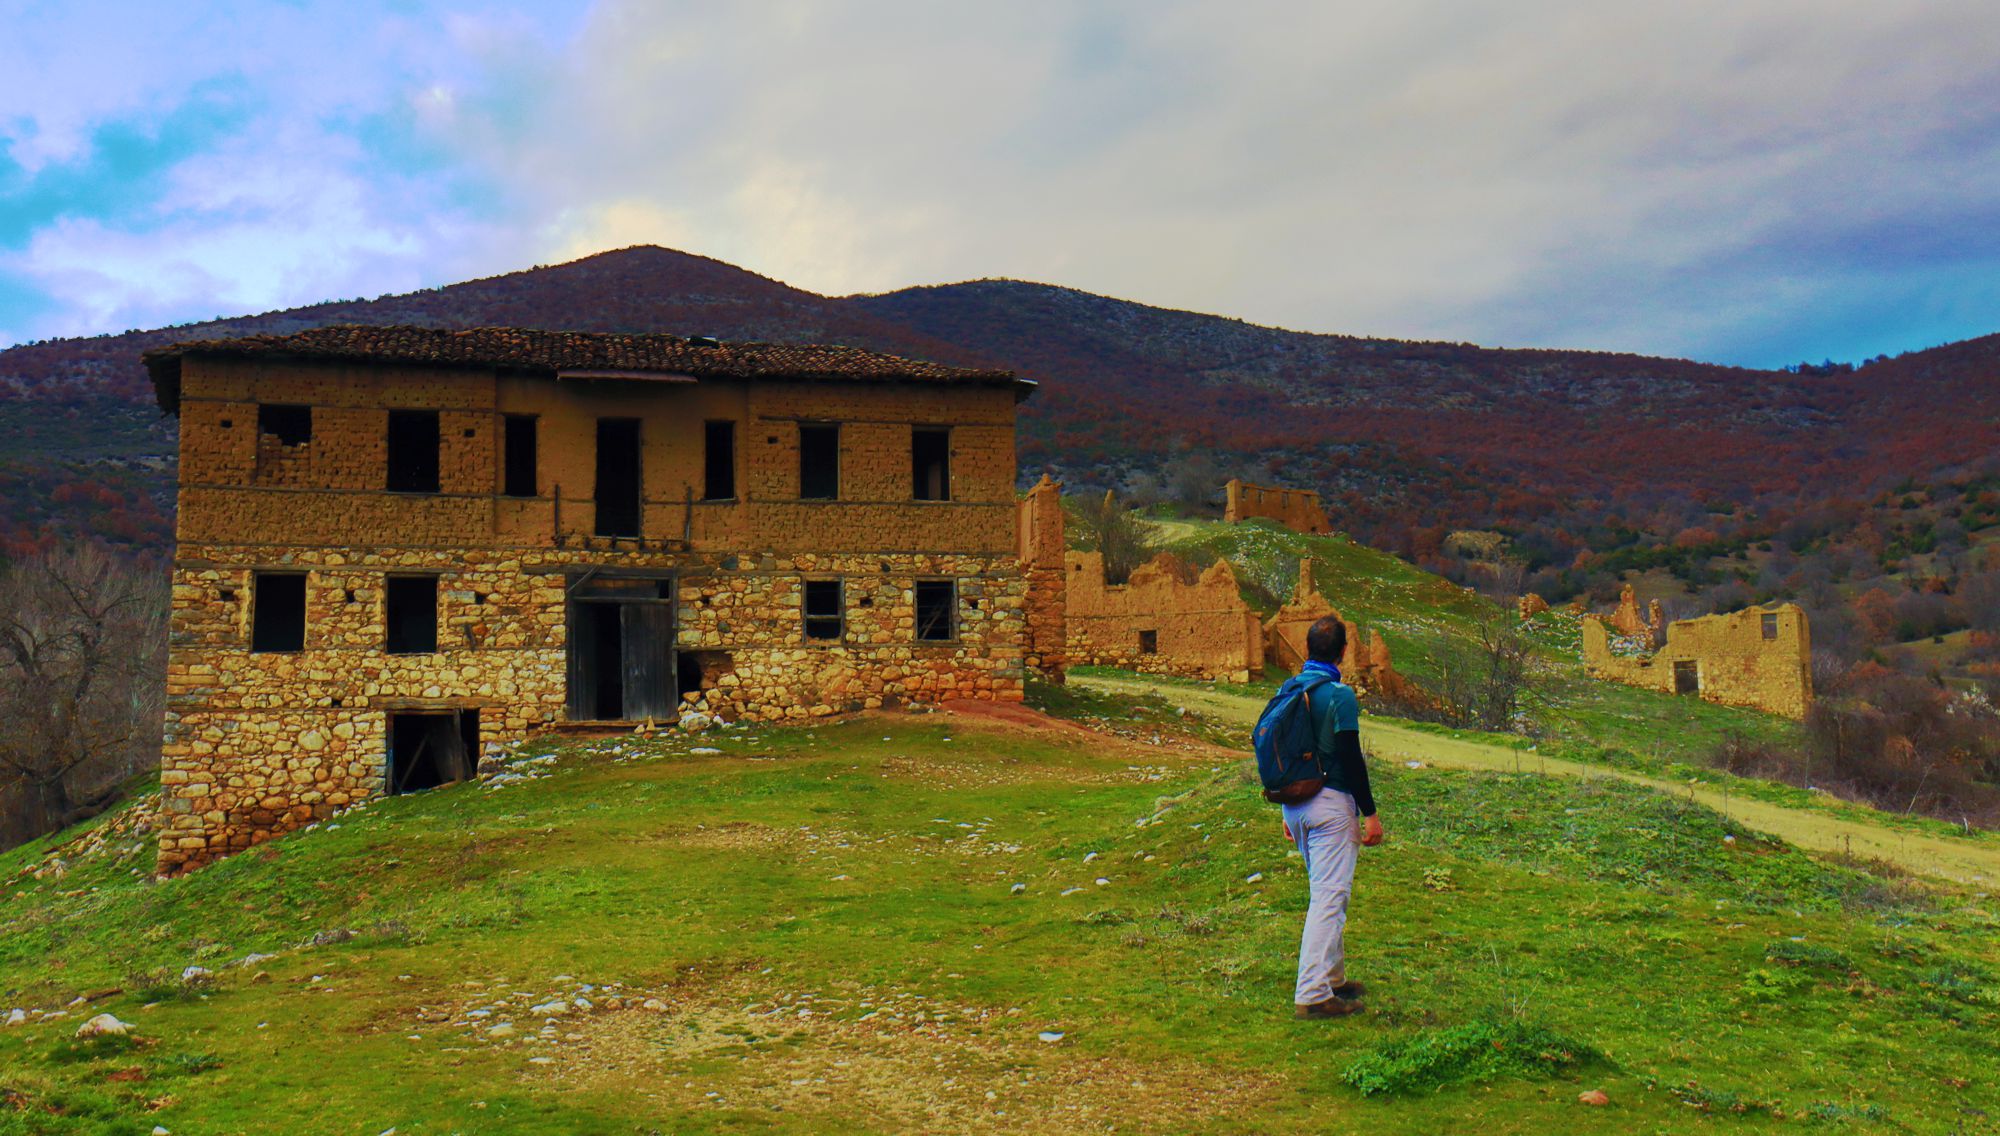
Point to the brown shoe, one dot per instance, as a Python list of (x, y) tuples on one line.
[(1350, 991), (1331, 1008)]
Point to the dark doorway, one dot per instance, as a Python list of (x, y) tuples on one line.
[(719, 461), (930, 464), (1687, 677), (819, 461), (413, 451), (621, 660), (618, 477), (1149, 642), (431, 748), (519, 442)]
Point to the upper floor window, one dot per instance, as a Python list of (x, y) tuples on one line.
[(819, 461), (518, 440), (413, 451), (718, 461), (930, 463), (277, 611), (1770, 622), (290, 425), (618, 477)]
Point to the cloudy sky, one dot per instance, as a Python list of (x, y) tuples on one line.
[(1756, 181)]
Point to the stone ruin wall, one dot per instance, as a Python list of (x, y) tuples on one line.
[(1365, 665), (1733, 662), (1042, 552), (1296, 509), (1202, 630), (260, 743)]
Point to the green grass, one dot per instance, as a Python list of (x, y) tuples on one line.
[(829, 917)]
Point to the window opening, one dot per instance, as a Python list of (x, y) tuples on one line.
[(1149, 642), (1770, 622), (937, 609), (290, 425), (823, 609), (819, 462), (277, 611), (618, 477), (413, 451), (719, 463), (518, 444), (410, 612), (930, 464), (1687, 678)]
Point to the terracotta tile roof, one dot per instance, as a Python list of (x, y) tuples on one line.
[(552, 352)]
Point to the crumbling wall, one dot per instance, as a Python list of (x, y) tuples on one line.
[(1365, 664), (1759, 658), (1199, 630), (1040, 532), (1532, 605), (1296, 509)]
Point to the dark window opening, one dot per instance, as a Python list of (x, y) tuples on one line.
[(1687, 678), (290, 425), (930, 465), (432, 749), (719, 462), (413, 451), (410, 610), (937, 609), (518, 442), (277, 612), (687, 674), (1770, 625), (819, 462), (823, 609), (1149, 642), (618, 477)]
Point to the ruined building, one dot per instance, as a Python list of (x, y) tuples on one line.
[(399, 546), (1761, 658), (1365, 665), (1296, 509), (1041, 551), (1155, 623)]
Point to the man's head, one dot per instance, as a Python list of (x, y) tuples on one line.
[(1326, 641)]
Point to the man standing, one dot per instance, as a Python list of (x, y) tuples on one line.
[(1328, 828)]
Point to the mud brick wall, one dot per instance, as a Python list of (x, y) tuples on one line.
[(1734, 662), (1296, 509), (258, 743), (1041, 552), (1201, 630)]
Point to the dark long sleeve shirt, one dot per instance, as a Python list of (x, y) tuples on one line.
[(1340, 743)]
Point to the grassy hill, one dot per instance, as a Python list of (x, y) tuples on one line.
[(976, 923)]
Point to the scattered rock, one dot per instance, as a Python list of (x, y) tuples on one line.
[(1101, 881), (1253, 877), (196, 975), (328, 938), (1017, 889), (1050, 1036), (704, 751), (549, 1009), (18, 1017), (654, 1004), (104, 1025), (1595, 1098), (502, 1031)]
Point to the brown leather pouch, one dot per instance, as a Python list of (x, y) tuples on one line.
[(1296, 793)]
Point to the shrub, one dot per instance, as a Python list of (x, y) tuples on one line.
[(1477, 1051)]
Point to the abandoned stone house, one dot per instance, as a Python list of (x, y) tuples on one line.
[(1759, 658), (400, 546), (1157, 623), (1296, 509)]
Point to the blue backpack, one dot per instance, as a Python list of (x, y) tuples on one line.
[(1286, 737)]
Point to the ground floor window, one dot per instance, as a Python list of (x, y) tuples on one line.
[(823, 609), (431, 748), (937, 610)]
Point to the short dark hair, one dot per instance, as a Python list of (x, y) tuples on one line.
[(1326, 641)]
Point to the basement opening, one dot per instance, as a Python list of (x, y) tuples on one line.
[(431, 748), (1149, 642)]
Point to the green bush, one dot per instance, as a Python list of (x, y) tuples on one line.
[(1476, 1051)]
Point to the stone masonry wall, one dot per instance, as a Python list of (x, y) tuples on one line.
[(1734, 663), (1296, 509), (1041, 553), (1201, 630)]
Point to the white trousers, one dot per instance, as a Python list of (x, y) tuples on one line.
[(1329, 837)]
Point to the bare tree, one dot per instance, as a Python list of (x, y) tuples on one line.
[(1116, 535), (82, 650), (1480, 684)]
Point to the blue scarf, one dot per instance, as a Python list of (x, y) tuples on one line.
[(1314, 666)]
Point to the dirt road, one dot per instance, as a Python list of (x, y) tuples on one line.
[(1974, 860)]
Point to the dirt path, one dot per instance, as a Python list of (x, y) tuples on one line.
[(1975, 862)]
